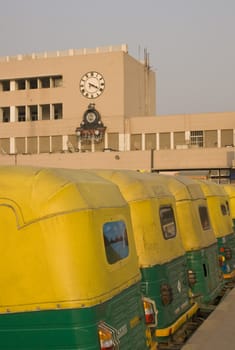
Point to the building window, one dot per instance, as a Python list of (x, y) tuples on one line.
[(210, 138), (57, 111), (150, 141), (5, 146), (57, 143), (32, 145), (113, 142), (115, 241), (33, 113), (45, 112), (99, 146), (196, 138), (20, 84), (19, 145), (72, 143), (179, 140), (33, 83), (227, 138), (44, 144), (165, 140), (6, 114), (136, 142), (44, 82), (21, 113), (57, 81), (5, 85)]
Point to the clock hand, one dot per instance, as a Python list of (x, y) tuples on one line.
[(93, 85)]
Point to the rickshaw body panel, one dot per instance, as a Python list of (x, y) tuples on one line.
[(209, 279), (76, 327), (158, 275)]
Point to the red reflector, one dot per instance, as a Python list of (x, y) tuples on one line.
[(149, 318), (150, 312)]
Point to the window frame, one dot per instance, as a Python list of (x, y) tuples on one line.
[(114, 233), (167, 226)]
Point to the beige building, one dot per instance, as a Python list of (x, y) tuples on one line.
[(97, 108)]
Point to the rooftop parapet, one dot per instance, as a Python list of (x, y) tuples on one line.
[(69, 52)]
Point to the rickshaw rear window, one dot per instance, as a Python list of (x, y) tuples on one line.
[(115, 241), (223, 209), (167, 220), (204, 217)]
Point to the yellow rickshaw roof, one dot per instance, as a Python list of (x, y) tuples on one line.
[(230, 190), (210, 188), (136, 185), (182, 187), (36, 190)]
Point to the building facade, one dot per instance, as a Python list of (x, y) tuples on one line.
[(97, 108)]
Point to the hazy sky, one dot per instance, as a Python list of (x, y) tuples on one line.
[(191, 43)]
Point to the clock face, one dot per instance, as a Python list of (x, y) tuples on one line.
[(92, 84), (90, 117)]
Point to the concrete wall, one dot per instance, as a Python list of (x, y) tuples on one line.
[(137, 160)]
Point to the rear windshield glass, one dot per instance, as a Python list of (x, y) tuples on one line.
[(115, 241), (223, 209), (167, 219), (204, 217)]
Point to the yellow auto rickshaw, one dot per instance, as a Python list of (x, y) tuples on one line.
[(200, 244), (221, 221), (162, 258), (69, 269)]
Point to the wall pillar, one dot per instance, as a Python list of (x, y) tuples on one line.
[(12, 145), (157, 141), (143, 142), (219, 138), (12, 113), (171, 140)]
